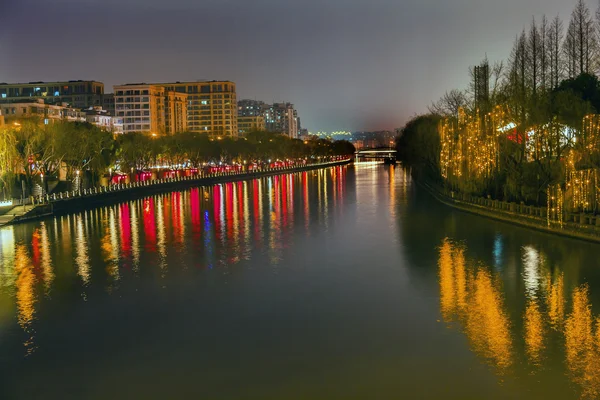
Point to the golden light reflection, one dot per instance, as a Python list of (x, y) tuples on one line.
[(534, 332), (25, 294), (46, 258), (110, 246), (582, 346), (555, 302), (392, 186), (82, 259), (474, 299), (7, 256)]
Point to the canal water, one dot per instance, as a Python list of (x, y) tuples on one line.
[(348, 282)]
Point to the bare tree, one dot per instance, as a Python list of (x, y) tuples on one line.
[(580, 44), (544, 64), (534, 48), (449, 103), (555, 57)]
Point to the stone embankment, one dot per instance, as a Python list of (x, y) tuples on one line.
[(576, 225)]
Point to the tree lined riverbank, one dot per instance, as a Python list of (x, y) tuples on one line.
[(526, 131)]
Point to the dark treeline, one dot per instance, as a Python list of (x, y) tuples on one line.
[(31, 150)]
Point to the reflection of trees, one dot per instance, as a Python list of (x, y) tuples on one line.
[(582, 346), (555, 301), (471, 296), (534, 332), (474, 299)]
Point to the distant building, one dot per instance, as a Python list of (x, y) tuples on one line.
[(212, 106), (102, 119), (78, 94), (303, 134), (108, 103), (251, 123), (150, 108), (279, 117), (33, 109), (252, 108), (282, 118)]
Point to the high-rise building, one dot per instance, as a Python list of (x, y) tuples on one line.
[(176, 112), (279, 117), (251, 123), (78, 94), (212, 106), (151, 108), (282, 118), (252, 108)]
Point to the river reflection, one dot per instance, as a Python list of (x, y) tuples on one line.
[(346, 282), (221, 225), (472, 296)]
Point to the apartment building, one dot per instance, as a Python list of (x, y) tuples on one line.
[(33, 109), (212, 106), (282, 118), (78, 94), (151, 108), (176, 112), (251, 123)]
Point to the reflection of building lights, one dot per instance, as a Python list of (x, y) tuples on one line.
[(531, 270)]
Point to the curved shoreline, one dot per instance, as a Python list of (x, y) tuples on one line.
[(586, 232), (85, 202)]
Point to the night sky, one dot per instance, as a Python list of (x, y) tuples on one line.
[(345, 64)]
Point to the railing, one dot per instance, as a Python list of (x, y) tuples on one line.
[(574, 220), (120, 187)]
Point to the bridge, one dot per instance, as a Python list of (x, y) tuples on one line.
[(380, 153)]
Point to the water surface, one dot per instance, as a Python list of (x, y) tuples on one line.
[(348, 282)]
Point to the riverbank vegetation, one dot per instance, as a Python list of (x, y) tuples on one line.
[(526, 129), (35, 153)]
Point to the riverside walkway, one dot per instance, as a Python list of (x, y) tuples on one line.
[(15, 213)]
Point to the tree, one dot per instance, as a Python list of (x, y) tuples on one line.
[(449, 103), (418, 146), (555, 56), (580, 44)]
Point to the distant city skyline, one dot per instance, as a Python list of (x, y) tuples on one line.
[(353, 65)]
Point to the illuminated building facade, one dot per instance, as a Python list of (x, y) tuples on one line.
[(279, 117), (282, 118), (38, 109), (212, 106), (151, 108), (78, 94), (176, 112), (252, 108), (104, 120), (251, 123)]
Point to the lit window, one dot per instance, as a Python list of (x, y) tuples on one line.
[(3, 95), (57, 93)]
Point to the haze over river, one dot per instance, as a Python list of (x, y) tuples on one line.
[(348, 282)]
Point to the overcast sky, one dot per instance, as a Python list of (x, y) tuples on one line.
[(345, 64)]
